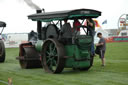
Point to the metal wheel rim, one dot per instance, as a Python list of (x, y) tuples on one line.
[(52, 56)]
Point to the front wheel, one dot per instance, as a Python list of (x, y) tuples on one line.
[(29, 57), (53, 56), (2, 51)]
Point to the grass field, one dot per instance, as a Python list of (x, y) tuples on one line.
[(114, 73)]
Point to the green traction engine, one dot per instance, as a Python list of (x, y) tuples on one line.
[(59, 45)]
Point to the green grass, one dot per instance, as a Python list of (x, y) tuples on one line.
[(114, 73)]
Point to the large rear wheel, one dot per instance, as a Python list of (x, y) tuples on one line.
[(2, 51), (53, 56)]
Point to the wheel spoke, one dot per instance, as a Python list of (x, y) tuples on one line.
[(54, 65), (48, 53), (54, 49), (48, 60), (51, 65), (55, 52), (51, 47)]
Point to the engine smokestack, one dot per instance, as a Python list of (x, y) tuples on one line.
[(39, 25), (38, 10)]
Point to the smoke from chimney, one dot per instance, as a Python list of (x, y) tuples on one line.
[(32, 5)]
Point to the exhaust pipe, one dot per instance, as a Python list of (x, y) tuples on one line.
[(39, 25)]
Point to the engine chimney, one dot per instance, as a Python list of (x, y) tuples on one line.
[(39, 25)]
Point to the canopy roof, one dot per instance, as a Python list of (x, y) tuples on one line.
[(69, 14), (2, 24)]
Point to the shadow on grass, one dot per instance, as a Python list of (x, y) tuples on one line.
[(77, 71)]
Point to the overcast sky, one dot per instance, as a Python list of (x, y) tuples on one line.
[(15, 12)]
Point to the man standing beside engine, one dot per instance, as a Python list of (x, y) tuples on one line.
[(91, 25)]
